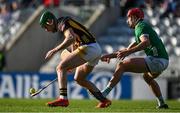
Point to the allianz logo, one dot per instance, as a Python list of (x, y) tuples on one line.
[(18, 85)]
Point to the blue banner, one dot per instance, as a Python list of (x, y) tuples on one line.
[(17, 85)]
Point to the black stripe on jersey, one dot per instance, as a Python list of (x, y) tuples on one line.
[(85, 36)]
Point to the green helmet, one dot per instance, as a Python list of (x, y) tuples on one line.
[(45, 16)]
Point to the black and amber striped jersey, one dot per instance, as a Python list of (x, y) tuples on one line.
[(84, 36)]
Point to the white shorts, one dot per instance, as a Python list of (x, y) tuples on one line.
[(156, 65), (91, 53)]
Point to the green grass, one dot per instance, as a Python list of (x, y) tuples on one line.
[(38, 105)]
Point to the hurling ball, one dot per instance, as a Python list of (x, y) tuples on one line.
[(32, 90)]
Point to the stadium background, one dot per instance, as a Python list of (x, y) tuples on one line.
[(25, 44)]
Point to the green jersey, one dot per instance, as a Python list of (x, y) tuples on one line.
[(156, 48)]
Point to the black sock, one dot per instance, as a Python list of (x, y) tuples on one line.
[(63, 93), (98, 95), (160, 100)]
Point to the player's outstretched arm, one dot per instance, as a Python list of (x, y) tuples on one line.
[(145, 42), (50, 54), (108, 57), (132, 45)]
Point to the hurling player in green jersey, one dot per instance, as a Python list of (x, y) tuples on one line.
[(151, 66)]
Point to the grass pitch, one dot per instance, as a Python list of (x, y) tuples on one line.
[(38, 105)]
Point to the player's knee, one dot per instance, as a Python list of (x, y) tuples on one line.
[(120, 67), (148, 79), (60, 67), (79, 81), (155, 75), (76, 80)]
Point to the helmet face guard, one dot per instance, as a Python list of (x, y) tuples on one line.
[(45, 17), (137, 12)]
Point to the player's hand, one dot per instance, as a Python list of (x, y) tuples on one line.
[(50, 54), (105, 58), (122, 54)]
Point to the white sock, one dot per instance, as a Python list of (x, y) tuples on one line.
[(63, 97)]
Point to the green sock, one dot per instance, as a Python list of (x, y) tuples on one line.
[(106, 91)]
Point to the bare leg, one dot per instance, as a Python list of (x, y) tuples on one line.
[(152, 84), (80, 77), (136, 65), (72, 61), (81, 74), (154, 87)]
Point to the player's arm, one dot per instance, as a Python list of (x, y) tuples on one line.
[(133, 44), (69, 39), (108, 57), (112, 55), (145, 42)]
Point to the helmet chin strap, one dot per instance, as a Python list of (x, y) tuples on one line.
[(50, 22), (135, 21)]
